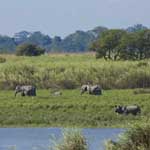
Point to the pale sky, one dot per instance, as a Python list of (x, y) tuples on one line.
[(62, 17)]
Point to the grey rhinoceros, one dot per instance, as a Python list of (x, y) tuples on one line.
[(133, 109), (93, 90), (25, 90)]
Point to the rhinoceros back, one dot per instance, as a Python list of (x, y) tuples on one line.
[(29, 90), (96, 89)]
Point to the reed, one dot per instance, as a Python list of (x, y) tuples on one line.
[(69, 71), (72, 139), (135, 138)]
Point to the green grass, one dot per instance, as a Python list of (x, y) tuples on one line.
[(135, 138), (71, 109), (69, 71), (72, 139)]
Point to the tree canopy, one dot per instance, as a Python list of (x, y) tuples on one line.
[(29, 50), (78, 41), (119, 44), (107, 45)]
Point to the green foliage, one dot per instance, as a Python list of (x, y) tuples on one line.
[(2, 59), (128, 46), (56, 45), (7, 44), (29, 50), (142, 64), (68, 84), (37, 38), (118, 44), (108, 44), (72, 70), (71, 109), (136, 138), (75, 42), (71, 140), (79, 41), (136, 45), (142, 91), (136, 28)]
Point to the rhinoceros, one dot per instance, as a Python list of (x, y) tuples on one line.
[(25, 90), (84, 88), (57, 93), (93, 90), (133, 109)]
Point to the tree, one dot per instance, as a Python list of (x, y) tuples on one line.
[(143, 44), (7, 44), (77, 42), (135, 46), (56, 44), (81, 40), (29, 50), (136, 28), (128, 47), (107, 45)]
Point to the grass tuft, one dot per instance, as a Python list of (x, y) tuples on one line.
[(71, 140), (136, 138)]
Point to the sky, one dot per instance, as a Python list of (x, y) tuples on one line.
[(62, 17)]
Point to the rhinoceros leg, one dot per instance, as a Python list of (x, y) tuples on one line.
[(22, 93)]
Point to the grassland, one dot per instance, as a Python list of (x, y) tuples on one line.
[(67, 72), (71, 109)]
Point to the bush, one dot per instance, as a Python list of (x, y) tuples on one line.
[(71, 140), (142, 91), (67, 84), (142, 63), (136, 138), (29, 50), (2, 59)]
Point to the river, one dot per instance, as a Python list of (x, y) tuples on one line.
[(40, 138)]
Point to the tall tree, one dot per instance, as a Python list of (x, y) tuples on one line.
[(135, 46), (107, 45)]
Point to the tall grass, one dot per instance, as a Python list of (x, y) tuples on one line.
[(69, 71), (71, 140), (136, 138)]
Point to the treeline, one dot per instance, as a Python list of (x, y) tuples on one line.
[(119, 44), (76, 42), (79, 41)]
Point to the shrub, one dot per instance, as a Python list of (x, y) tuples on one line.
[(142, 91), (98, 55), (2, 59), (136, 138), (142, 63), (29, 50), (71, 140), (68, 84)]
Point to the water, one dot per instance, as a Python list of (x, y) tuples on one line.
[(39, 138)]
